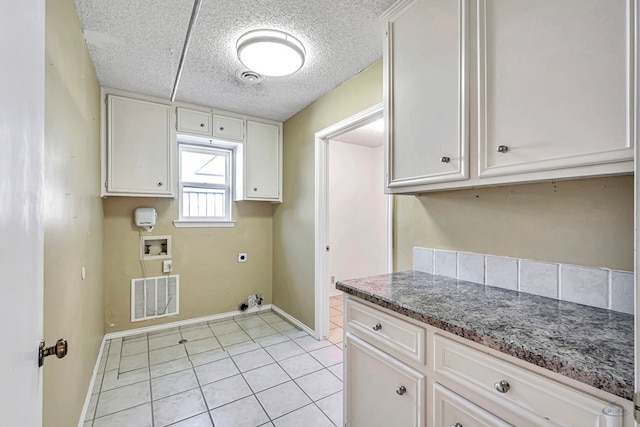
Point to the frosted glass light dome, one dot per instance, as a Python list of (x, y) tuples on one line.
[(270, 52)]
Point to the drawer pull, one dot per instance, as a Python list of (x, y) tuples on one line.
[(502, 149), (456, 425), (445, 159), (502, 386), (377, 327), (401, 390)]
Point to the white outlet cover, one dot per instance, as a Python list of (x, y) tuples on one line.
[(167, 266)]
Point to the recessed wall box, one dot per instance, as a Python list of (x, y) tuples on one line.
[(155, 247)]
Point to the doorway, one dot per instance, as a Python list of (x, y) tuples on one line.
[(339, 225)]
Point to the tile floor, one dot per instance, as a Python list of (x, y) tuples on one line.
[(253, 370)]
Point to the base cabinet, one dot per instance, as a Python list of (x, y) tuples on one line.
[(381, 390), (460, 384)]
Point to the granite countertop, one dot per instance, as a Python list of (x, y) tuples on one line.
[(591, 345)]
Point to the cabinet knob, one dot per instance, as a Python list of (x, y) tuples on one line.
[(456, 425), (255, 189), (221, 128), (159, 184), (502, 386), (401, 390), (502, 149), (377, 327), (201, 125), (445, 160)]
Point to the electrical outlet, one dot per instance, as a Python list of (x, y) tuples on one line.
[(167, 266), (242, 257)]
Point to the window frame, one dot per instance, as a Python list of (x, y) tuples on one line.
[(207, 221)]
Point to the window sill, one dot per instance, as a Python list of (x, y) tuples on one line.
[(203, 224)]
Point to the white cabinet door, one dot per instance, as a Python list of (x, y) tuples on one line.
[(196, 122), (380, 390), (555, 84), (262, 174), (228, 128), (425, 94), (138, 148), (450, 409)]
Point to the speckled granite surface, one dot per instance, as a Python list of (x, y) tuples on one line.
[(588, 344)]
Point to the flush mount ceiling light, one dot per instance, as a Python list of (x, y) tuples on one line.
[(270, 52)]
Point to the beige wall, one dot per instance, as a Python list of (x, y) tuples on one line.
[(211, 279), (73, 308), (293, 220), (584, 222)]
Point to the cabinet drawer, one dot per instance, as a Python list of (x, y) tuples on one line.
[(388, 332), (450, 409), (197, 122), (531, 396), (228, 127)]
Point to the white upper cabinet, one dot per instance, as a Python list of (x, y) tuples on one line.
[(554, 84), (261, 177), (139, 141), (228, 128), (196, 122), (425, 94), (550, 91)]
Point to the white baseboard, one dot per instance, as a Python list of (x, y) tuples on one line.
[(295, 321), (87, 399), (187, 322)]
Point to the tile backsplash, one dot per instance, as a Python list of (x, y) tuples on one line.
[(597, 287)]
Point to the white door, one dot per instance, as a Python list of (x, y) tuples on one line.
[(21, 209)]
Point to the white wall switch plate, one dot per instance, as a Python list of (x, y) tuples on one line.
[(167, 266)]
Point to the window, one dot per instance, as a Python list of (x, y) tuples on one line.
[(205, 183)]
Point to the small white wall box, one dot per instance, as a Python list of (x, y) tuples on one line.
[(155, 247), (145, 218)]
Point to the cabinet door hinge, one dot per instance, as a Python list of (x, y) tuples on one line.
[(106, 185), (636, 406)]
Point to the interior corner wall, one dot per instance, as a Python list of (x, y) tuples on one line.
[(293, 220), (73, 307)]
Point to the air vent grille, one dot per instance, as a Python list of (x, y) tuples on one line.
[(155, 297)]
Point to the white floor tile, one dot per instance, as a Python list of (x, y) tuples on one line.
[(225, 327), (270, 317), (97, 384), (131, 363), (284, 350), (282, 326), (178, 407), (113, 379), (242, 413), (166, 340), (337, 370), (328, 356), (225, 391), (173, 384), (332, 406), (123, 398), (295, 333), (167, 331), (208, 357), (253, 359), (261, 331), (309, 343), (298, 366), (130, 347), (272, 339), (233, 338), (215, 371), (200, 346), (202, 420), (309, 416), (167, 354), (194, 334), (266, 377), (242, 348), (170, 367), (319, 384), (282, 399), (139, 416), (249, 322)]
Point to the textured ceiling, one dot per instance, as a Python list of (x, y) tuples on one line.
[(136, 46), (371, 135)]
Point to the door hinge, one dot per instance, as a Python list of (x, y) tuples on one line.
[(636, 406)]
